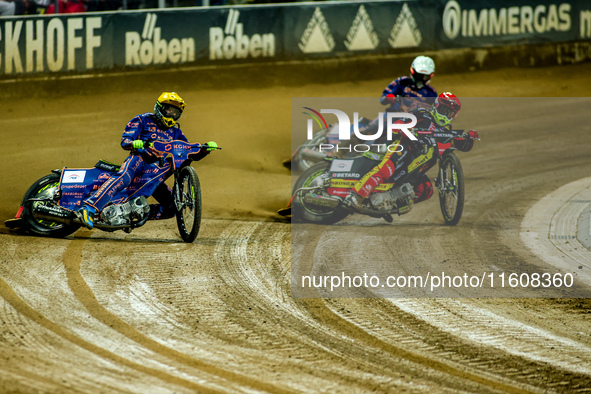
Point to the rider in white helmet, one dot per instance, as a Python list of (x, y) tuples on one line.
[(421, 72), (416, 86), (412, 88)]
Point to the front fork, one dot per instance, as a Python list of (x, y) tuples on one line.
[(441, 180), (178, 194), (178, 203)]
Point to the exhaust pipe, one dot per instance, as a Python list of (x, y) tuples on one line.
[(52, 213), (315, 199)]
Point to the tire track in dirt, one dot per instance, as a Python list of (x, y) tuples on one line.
[(23, 308), (72, 260), (259, 331), (266, 287)]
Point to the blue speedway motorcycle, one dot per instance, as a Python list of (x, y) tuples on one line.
[(48, 207)]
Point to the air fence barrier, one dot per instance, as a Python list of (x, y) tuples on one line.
[(216, 36)]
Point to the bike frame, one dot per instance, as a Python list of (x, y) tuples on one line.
[(76, 184), (443, 144)]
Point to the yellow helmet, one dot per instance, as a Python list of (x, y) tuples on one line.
[(169, 108)]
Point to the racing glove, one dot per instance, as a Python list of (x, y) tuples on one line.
[(211, 145), (466, 142), (421, 146), (138, 144), (390, 99)]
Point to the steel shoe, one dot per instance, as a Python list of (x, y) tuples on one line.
[(86, 216), (354, 201)]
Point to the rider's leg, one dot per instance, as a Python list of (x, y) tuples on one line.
[(423, 190), (132, 166), (96, 202), (370, 181), (165, 208), (376, 176)]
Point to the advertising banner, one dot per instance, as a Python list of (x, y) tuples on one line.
[(80, 43), (491, 23), (359, 28)]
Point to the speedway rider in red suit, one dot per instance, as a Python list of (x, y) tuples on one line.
[(158, 126), (438, 119)]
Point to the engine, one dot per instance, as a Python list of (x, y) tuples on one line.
[(124, 214), (396, 197)]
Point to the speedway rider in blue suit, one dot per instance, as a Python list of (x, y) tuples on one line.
[(140, 131), (417, 85), (401, 95)]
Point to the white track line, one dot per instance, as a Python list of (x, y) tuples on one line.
[(549, 229)]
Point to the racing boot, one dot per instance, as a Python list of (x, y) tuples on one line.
[(354, 201), (86, 216)]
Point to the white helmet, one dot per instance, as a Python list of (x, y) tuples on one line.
[(422, 70)]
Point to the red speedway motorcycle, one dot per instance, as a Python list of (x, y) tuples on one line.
[(318, 194), (48, 207)]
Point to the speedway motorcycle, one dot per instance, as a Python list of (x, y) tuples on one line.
[(308, 154), (48, 207), (318, 194)]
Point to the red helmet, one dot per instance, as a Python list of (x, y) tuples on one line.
[(445, 108)]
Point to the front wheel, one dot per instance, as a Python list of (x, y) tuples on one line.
[(44, 192), (451, 188), (315, 177), (188, 201)]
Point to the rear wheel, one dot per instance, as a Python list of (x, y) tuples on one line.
[(44, 192), (315, 176), (188, 216), (451, 189)]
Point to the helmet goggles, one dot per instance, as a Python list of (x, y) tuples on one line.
[(421, 77), (170, 111), (444, 110), (169, 108)]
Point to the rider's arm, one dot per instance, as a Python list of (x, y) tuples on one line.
[(179, 135), (389, 94), (465, 143), (132, 132)]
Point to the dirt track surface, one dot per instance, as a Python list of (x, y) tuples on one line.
[(144, 312)]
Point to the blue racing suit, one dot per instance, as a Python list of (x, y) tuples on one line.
[(394, 95), (404, 87), (142, 127)]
